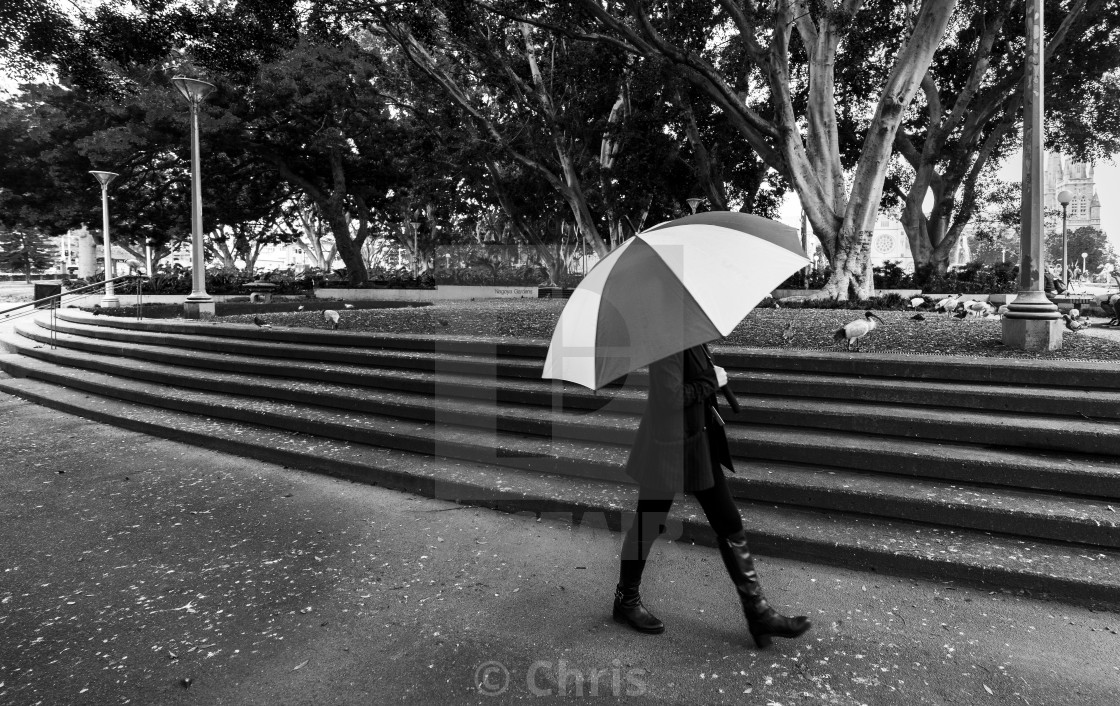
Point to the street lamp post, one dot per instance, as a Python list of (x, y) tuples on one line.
[(1064, 197), (1084, 266), (199, 304), (415, 229), (1032, 321), (110, 299)]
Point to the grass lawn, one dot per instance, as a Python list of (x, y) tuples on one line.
[(812, 329)]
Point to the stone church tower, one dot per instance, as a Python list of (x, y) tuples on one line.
[(1062, 173)]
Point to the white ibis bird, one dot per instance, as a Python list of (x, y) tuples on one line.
[(1075, 313), (918, 302), (978, 308), (1001, 310), (331, 316), (949, 303), (261, 323), (857, 329), (135, 265), (299, 308), (348, 306), (1074, 324)]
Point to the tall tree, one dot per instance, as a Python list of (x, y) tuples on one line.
[(25, 250), (582, 118), (967, 116), (751, 75)]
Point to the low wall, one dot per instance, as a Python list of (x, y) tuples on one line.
[(89, 299), (440, 293)]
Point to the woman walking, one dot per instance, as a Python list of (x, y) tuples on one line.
[(680, 447)]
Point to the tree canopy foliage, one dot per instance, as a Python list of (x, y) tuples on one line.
[(491, 123)]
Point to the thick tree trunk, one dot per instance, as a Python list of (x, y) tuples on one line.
[(339, 222)]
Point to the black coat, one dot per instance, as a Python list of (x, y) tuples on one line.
[(679, 439)]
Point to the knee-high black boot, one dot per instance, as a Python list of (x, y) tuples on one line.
[(628, 607), (763, 621)]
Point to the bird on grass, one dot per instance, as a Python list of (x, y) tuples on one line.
[(444, 322), (261, 323), (917, 317), (978, 309), (331, 316), (787, 334), (857, 329), (299, 308), (96, 309), (348, 306), (918, 303), (949, 303), (1075, 324), (960, 314)]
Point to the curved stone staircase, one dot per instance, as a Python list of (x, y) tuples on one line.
[(1005, 472)]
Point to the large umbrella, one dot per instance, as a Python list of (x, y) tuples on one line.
[(674, 286)]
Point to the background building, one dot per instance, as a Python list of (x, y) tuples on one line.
[(1062, 173)]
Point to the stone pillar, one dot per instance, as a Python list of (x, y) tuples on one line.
[(1032, 321)]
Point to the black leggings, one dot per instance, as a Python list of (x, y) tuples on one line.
[(653, 509)]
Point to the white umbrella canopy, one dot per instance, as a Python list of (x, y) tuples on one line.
[(671, 287)]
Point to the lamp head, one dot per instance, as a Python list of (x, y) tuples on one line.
[(192, 89), (693, 202), (104, 177), (415, 225), (1064, 197)]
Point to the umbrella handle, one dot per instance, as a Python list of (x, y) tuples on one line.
[(730, 397)]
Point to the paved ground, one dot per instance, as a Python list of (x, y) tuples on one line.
[(131, 565)]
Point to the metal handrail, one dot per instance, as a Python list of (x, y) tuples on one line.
[(95, 285)]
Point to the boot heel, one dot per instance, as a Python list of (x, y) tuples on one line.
[(762, 641)]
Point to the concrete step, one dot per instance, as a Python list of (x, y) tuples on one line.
[(1077, 402), (1067, 572), (453, 432), (406, 379), (251, 341), (417, 343), (1077, 474), (1063, 374), (1070, 473), (258, 358), (1032, 431)]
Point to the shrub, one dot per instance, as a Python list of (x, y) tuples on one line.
[(890, 276), (223, 281), (974, 278)]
